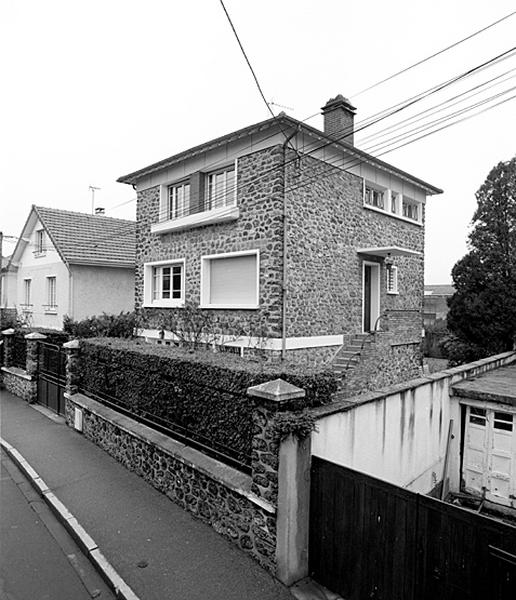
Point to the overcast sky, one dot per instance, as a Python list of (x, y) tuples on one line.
[(96, 89)]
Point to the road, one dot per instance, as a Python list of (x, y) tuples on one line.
[(38, 558)]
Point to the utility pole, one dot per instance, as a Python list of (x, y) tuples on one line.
[(93, 189)]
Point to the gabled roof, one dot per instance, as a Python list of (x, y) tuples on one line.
[(281, 121), (82, 239)]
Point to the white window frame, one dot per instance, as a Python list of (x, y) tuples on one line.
[(413, 203), (228, 199), (51, 305), (391, 276), (40, 243), (148, 282), (205, 280), (388, 200), (27, 292), (176, 207)]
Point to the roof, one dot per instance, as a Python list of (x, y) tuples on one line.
[(80, 238), (282, 120), (498, 385), (439, 290)]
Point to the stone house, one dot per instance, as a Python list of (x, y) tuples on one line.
[(70, 263), (293, 228)]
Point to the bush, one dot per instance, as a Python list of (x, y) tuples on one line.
[(202, 391), (459, 353), (121, 326)]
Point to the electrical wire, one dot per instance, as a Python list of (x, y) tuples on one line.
[(426, 59)]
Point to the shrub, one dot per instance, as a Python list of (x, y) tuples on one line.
[(202, 391), (459, 353), (122, 326)]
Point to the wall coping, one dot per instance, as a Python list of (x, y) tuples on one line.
[(21, 373), (454, 374), (233, 479)]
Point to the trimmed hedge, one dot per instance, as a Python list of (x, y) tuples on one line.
[(202, 390)]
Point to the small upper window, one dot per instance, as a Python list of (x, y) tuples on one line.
[(395, 201), (392, 279), (221, 188), (27, 291), (374, 197), (503, 421), (40, 241), (477, 416), (410, 209), (178, 204)]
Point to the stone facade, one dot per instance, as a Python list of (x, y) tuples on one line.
[(17, 382), (313, 213)]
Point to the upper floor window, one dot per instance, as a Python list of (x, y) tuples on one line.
[(374, 197), (221, 188), (164, 283), (40, 242), (178, 204), (410, 209)]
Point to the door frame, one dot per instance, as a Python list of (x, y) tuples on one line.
[(375, 292)]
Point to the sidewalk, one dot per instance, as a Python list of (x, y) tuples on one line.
[(157, 548)]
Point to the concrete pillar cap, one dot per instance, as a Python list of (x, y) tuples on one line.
[(35, 336), (277, 393), (9, 331), (71, 345)]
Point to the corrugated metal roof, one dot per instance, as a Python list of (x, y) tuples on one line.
[(90, 239)]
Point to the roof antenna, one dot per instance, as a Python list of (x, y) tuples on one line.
[(272, 103), (93, 189)]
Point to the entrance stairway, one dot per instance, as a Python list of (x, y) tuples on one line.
[(350, 353)]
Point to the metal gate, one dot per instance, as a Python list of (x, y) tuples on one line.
[(51, 377), (370, 539)]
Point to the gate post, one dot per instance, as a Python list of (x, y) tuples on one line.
[(72, 362), (8, 349), (292, 471), (32, 363)]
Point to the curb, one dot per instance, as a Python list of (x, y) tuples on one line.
[(86, 543)]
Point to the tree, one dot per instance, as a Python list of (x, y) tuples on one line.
[(482, 312)]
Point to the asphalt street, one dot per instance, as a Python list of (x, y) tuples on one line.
[(38, 558)]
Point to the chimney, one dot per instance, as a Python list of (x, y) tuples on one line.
[(339, 116), (100, 211)]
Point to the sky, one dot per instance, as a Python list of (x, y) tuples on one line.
[(95, 90)]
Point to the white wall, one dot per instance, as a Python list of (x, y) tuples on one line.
[(96, 290), (400, 435)]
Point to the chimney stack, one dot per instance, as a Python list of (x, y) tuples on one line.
[(100, 211), (339, 117)]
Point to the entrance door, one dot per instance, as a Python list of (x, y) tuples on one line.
[(371, 296)]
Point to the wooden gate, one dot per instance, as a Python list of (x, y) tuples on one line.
[(370, 539), (51, 377)]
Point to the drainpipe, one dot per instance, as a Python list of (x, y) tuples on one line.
[(284, 282)]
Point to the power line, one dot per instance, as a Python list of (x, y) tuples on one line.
[(426, 59)]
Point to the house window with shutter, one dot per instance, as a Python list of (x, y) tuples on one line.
[(164, 283), (230, 280)]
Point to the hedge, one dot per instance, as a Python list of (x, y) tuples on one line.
[(202, 390)]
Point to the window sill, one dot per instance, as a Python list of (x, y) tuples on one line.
[(38, 254), (393, 293), (208, 217), (231, 306), (164, 304), (50, 311), (392, 215)]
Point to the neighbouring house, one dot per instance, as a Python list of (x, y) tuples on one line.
[(435, 303), (7, 289), (295, 229), (70, 263)]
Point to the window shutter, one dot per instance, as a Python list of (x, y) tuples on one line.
[(233, 280)]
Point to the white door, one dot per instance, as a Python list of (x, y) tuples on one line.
[(490, 455)]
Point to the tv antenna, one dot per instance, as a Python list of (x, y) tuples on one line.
[(93, 189)]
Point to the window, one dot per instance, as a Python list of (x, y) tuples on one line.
[(26, 292), (221, 188), (410, 209), (374, 197), (395, 201), (51, 293), (40, 242), (164, 283), (178, 204), (230, 280), (477, 416), (392, 279), (503, 421)]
